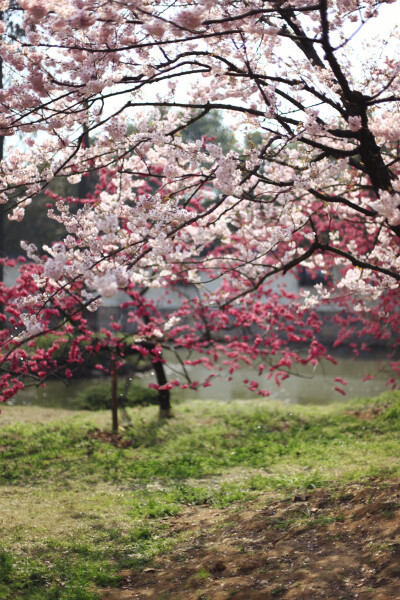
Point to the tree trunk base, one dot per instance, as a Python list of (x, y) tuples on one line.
[(165, 413)]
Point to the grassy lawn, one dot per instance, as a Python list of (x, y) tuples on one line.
[(75, 510)]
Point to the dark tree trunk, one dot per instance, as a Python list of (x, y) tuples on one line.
[(114, 397), (84, 186), (163, 395)]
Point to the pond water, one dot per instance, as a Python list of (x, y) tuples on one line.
[(311, 386)]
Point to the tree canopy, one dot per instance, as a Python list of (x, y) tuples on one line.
[(317, 187)]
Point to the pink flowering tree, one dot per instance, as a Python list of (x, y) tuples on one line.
[(258, 331), (318, 187)]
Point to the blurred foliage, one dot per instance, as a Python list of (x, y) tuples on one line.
[(253, 139), (98, 396), (212, 126), (36, 227)]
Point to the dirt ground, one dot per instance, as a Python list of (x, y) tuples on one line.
[(321, 545)]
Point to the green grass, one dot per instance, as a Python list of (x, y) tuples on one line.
[(75, 511)]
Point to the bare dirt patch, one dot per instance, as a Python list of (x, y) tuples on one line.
[(116, 439), (330, 545), (368, 414)]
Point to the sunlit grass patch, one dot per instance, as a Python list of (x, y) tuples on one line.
[(75, 509)]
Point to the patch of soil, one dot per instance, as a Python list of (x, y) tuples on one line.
[(116, 439), (368, 414), (323, 545)]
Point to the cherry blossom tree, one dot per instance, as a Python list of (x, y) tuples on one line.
[(318, 188), (259, 332)]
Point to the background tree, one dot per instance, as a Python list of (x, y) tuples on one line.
[(212, 127)]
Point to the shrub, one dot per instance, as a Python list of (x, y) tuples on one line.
[(6, 567), (98, 396)]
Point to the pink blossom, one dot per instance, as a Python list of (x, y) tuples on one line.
[(155, 28), (368, 378), (340, 391), (190, 18), (82, 19), (17, 214), (106, 286)]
